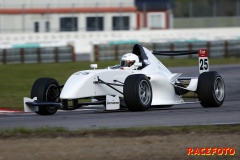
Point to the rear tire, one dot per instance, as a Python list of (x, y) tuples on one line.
[(211, 89), (137, 92), (45, 89)]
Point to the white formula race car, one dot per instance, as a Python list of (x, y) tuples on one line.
[(134, 84)]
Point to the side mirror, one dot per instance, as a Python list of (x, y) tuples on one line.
[(94, 66)]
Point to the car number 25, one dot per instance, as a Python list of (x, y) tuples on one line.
[(203, 61), (203, 64)]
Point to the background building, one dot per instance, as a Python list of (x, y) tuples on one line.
[(81, 15), (154, 14), (44, 25), (106, 15), (61, 16)]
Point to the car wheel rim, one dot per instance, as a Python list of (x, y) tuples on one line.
[(219, 89), (144, 92), (52, 94)]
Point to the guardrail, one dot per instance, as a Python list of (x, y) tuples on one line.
[(216, 49), (37, 55)]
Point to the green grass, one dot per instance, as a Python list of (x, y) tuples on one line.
[(123, 132), (17, 79), (31, 131)]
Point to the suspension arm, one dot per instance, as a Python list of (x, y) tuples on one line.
[(109, 84)]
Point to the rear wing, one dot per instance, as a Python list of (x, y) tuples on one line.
[(202, 57), (174, 53)]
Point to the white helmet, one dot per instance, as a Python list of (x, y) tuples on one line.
[(129, 59)]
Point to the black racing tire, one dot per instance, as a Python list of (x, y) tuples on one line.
[(137, 92), (211, 89), (45, 89)]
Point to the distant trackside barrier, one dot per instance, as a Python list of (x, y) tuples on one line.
[(36, 54), (216, 49)]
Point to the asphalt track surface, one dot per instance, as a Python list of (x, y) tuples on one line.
[(178, 115)]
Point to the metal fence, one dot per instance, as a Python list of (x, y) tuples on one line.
[(37, 55), (216, 49), (206, 8)]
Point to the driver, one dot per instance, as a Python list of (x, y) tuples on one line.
[(128, 60)]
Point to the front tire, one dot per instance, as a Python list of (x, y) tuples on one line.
[(46, 90), (211, 89), (137, 92)]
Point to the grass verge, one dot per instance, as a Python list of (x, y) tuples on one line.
[(17, 79), (49, 132)]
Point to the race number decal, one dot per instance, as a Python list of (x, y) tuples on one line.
[(203, 61)]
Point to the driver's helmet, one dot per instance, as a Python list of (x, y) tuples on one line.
[(129, 59)]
